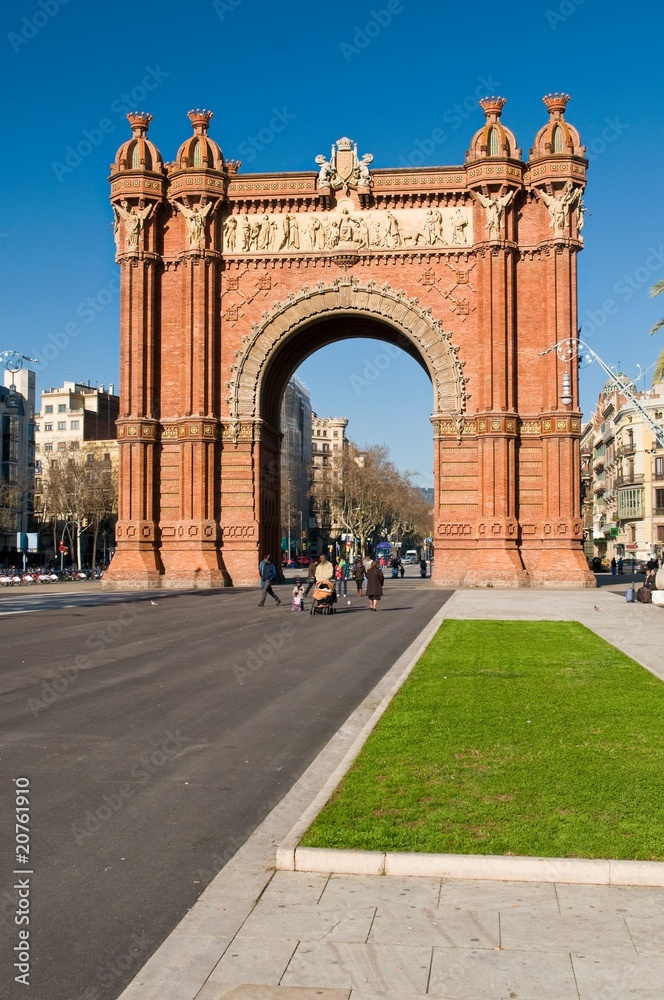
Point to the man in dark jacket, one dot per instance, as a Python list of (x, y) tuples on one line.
[(268, 573)]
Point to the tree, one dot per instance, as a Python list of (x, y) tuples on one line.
[(79, 491), (15, 499), (658, 374), (367, 495)]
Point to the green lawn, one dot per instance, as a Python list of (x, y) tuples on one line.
[(534, 738)]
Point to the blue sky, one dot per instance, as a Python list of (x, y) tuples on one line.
[(72, 70)]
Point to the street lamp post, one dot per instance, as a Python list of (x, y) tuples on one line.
[(62, 545), (300, 513), (571, 348)]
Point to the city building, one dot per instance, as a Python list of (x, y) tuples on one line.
[(327, 447), (17, 457), (296, 446), (77, 418), (622, 476), (73, 414)]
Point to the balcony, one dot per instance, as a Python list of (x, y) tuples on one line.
[(628, 448), (629, 479), (658, 511)]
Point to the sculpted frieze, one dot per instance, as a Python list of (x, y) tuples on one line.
[(349, 229)]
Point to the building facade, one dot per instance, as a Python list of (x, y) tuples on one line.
[(295, 467), (328, 436), (623, 472), (229, 281), (17, 457), (78, 419)]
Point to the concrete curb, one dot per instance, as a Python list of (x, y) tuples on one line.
[(579, 871), (291, 857)]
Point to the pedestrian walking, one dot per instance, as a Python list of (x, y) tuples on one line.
[(423, 568), (358, 576), (614, 566), (342, 577), (268, 573), (323, 570), (375, 581), (311, 576), (621, 565)]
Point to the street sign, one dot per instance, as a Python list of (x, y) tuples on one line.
[(62, 547)]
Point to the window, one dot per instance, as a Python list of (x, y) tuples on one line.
[(62, 407), (557, 139), (75, 425), (494, 143), (62, 445), (336, 434), (48, 427), (62, 425), (630, 503), (48, 447), (48, 409), (659, 468), (73, 445), (659, 501), (326, 446)]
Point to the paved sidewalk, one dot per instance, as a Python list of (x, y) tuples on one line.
[(258, 934)]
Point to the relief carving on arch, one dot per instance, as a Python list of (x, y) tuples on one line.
[(350, 296)]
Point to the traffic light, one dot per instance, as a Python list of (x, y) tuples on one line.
[(85, 522)]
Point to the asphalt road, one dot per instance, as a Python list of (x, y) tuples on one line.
[(157, 731)]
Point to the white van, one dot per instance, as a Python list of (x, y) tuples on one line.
[(411, 557)]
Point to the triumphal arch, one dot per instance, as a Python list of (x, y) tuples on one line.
[(230, 280)]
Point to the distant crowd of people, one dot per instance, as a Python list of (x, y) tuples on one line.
[(368, 575)]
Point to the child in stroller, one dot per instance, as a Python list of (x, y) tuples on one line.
[(324, 598)]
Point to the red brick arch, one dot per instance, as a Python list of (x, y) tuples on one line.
[(388, 310), (229, 281)]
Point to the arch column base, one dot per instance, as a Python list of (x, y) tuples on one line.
[(559, 568), (193, 568), (479, 566), (134, 569), (497, 566)]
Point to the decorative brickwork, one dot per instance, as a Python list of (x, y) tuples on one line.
[(230, 281)]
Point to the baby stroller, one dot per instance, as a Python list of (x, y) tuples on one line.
[(324, 598)]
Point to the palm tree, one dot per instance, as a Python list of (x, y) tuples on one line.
[(658, 374)]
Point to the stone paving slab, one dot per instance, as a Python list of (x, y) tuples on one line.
[(540, 897), (625, 900), (255, 960), (396, 968), (519, 932), (609, 977), (360, 890), (309, 923), (489, 975), (449, 928)]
